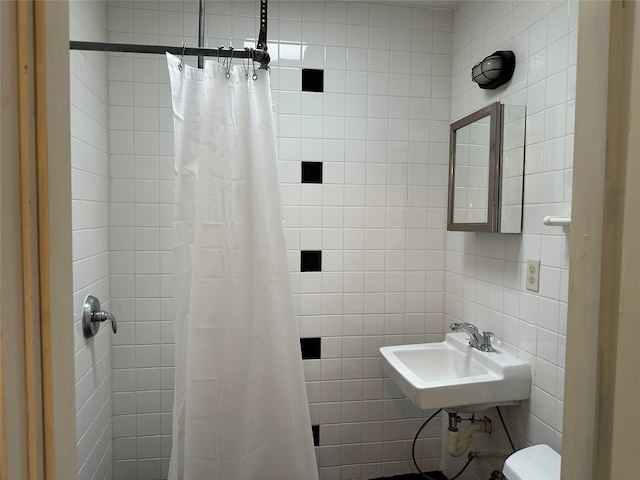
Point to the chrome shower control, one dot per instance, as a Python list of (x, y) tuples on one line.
[(92, 316)]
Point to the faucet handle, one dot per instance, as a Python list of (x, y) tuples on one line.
[(102, 316), (486, 342), (92, 316)]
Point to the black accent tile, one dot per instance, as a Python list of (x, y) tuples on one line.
[(312, 80), (310, 348), (311, 172), (315, 429), (311, 261)]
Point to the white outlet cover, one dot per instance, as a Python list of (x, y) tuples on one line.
[(532, 275)]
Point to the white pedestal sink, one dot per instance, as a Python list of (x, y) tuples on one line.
[(451, 374)]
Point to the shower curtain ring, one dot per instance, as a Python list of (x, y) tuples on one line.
[(228, 74), (181, 64)]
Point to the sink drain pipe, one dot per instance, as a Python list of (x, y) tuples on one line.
[(483, 425), (459, 443)]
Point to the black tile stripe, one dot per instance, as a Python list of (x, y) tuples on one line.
[(311, 348), (311, 261), (312, 80), (311, 172)]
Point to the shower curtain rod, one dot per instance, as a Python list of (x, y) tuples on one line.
[(258, 54)]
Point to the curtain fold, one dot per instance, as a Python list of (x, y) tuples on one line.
[(240, 408)]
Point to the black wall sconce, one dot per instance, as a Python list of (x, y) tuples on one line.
[(495, 70)]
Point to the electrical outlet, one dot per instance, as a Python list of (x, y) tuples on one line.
[(533, 275)]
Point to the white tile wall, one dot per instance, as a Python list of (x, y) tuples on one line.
[(141, 142), (381, 129), (90, 196), (378, 218), (485, 272)]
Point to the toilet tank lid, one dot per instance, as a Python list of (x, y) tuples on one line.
[(539, 462)]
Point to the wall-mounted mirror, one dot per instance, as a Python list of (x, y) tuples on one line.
[(486, 170)]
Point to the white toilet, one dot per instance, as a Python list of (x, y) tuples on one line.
[(539, 462)]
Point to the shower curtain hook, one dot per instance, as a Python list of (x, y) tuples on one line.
[(181, 64), (246, 66), (253, 65), (228, 74), (220, 47)]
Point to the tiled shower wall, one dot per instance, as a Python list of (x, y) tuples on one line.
[(90, 196), (380, 128), (141, 209), (485, 280)]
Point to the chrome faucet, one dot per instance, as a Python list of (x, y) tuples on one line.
[(479, 340)]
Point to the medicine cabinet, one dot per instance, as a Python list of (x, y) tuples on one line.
[(486, 170)]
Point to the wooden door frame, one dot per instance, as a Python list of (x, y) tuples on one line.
[(37, 400), (595, 417), (599, 411)]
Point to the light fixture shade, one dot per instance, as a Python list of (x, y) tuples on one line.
[(495, 70)]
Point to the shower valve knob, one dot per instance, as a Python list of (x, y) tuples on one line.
[(92, 316)]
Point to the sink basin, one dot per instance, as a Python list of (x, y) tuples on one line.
[(451, 374)]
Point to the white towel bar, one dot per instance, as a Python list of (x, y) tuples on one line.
[(557, 221)]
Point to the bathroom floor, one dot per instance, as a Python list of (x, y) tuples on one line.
[(435, 475)]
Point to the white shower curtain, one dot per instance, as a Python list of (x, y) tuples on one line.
[(240, 410)]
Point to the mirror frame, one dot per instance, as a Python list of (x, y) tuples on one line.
[(494, 111)]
